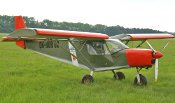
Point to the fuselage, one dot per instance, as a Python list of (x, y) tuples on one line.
[(99, 55)]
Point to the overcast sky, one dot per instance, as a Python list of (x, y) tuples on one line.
[(154, 14)]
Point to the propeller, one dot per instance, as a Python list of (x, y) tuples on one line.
[(151, 46), (156, 55), (164, 47), (156, 69)]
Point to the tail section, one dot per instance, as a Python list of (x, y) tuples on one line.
[(19, 23)]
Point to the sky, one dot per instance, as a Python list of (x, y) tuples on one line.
[(153, 14)]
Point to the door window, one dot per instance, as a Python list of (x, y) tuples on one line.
[(97, 48)]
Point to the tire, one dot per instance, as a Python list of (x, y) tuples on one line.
[(87, 79), (143, 81), (120, 76)]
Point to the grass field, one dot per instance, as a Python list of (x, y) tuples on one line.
[(27, 77)]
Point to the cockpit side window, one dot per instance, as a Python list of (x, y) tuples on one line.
[(97, 48), (115, 45)]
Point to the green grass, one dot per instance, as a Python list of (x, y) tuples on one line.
[(27, 77)]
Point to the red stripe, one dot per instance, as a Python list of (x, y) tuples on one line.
[(71, 34), (150, 36)]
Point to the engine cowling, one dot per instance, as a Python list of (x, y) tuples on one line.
[(141, 57)]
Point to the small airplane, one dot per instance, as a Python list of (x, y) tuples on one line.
[(92, 51)]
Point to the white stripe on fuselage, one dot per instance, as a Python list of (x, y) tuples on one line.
[(73, 52)]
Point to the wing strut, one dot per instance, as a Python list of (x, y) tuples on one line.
[(127, 42), (92, 68), (141, 43)]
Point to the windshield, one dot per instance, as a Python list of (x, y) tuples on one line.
[(106, 47)]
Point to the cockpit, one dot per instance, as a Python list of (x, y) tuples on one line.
[(105, 47)]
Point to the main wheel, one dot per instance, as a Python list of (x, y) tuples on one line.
[(87, 79), (119, 76), (142, 82)]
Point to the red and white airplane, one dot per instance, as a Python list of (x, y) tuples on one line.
[(92, 51)]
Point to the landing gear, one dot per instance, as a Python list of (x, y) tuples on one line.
[(140, 80), (87, 79), (118, 75)]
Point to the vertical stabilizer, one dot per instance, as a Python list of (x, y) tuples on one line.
[(19, 23)]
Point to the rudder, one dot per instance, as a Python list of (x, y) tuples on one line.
[(19, 23)]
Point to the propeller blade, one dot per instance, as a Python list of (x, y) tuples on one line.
[(164, 47), (150, 46), (156, 70)]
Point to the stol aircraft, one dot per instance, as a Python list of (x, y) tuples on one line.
[(92, 51)]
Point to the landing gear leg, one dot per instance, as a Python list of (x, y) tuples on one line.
[(140, 80), (87, 79), (118, 75)]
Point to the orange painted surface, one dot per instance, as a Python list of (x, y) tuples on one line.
[(19, 23), (139, 57), (150, 36), (71, 34), (20, 43), (8, 40), (157, 55)]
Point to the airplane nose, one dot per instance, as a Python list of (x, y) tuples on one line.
[(139, 57), (157, 55)]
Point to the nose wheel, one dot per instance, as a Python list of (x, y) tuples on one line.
[(140, 80)]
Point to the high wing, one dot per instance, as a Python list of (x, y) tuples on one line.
[(65, 46), (23, 33), (34, 33), (42, 34), (126, 37), (141, 37)]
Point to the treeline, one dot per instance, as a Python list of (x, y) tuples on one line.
[(7, 25)]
